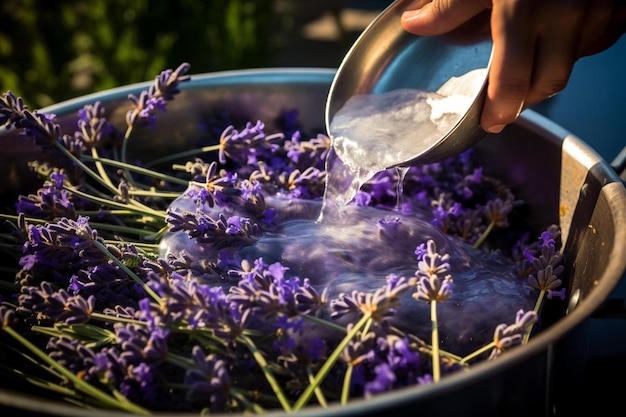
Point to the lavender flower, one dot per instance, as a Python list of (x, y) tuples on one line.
[(209, 381), (301, 351), (74, 356), (12, 109), (267, 292), (547, 265), (55, 304), (93, 127), (361, 349), (308, 184), (384, 380), (37, 125), (507, 336), (164, 88), (51, 201), (434, 282), (310, 153), (221, 232), (380, 304), (247, 146)]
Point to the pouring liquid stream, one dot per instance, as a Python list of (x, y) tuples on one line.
[(371, 133)]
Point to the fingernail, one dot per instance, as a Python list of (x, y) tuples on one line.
[(495, 128)]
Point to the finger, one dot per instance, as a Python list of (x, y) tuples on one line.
[(605, 23), (557, 47), (511, 67), (439, 16), (554, 59)]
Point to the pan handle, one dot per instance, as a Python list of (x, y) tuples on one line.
[(615, 308), (619, 164)]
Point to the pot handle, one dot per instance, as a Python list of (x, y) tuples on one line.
[(615, 308), (619, 164)]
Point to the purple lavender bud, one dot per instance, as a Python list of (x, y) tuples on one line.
[(434, 282), (381, 304), (93, 127), (12, 109), (50, 202), (209, 381), (164, 88), (383, 381), (41, 127), (548, 266), (507, 336), (8, 318), (219, 233)]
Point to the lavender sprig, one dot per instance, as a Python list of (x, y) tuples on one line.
[(434, 285), (6, 318), (145, 107), (164, 88)]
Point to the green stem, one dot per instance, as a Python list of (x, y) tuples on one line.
[(478, 352), (269, 375), (127, 270), (82, 386), (100, 167), (123, 229), (115, 319), (91, 213), (482, 237), (87, 170), (435, 341), (183, 154), (256, 409), (139, 170), (345, 389), (153, 193), (537, 308), (330, 362), (129, 130), (319, 394), (325, 323), (28, 219), (539, 301), (442, 353), (136, 207), (126, 171), (152, 248)]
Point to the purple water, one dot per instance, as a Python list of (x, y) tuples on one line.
[(359, 248)]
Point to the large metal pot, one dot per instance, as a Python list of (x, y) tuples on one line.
[(561, 179)]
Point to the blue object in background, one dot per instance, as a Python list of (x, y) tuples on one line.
[(593, 105)]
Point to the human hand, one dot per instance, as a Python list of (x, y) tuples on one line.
[(535, 44)]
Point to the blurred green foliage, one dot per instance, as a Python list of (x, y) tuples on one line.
[(55, 50)]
